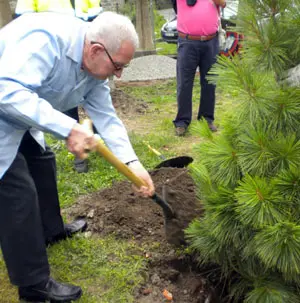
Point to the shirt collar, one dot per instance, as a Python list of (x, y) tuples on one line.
[(75, 50)]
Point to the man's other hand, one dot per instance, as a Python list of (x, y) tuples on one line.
[(141, 172)]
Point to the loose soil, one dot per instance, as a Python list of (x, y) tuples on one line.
[(119, 211)]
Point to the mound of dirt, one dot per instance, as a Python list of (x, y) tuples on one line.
[(127, 105), (118, 210)]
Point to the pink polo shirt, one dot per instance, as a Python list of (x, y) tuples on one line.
[(200, 19)]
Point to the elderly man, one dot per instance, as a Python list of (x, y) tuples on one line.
[(50, 63)]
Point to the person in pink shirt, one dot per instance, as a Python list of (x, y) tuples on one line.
[(198, 46)]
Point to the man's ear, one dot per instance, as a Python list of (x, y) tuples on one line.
[(96, 49)]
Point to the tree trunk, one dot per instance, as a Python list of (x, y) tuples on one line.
[(5, 13), (143, 25)]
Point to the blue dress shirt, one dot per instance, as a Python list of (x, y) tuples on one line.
[(41, 76)]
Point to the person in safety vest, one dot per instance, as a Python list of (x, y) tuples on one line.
[(86, 10)]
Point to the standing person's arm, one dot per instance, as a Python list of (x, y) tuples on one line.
[(174, 3)]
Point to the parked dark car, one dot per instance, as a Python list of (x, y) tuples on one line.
[(169, 32)]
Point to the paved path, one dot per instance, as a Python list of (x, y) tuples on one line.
[(153, 67)]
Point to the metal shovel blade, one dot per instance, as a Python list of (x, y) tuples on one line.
[(178, 162)]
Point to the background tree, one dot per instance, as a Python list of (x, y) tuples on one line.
[(248, 176), (144, 25), (5, 13)]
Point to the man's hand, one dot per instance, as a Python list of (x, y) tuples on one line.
[(80, 141), (141, 172)]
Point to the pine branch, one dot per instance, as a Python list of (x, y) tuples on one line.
[(288, 184), (258, 204), (208, 248), (201, 128), (278, 247), (271, 292), (285, 117), (202, 181), (286, 152), (221, 161), (254, 154)]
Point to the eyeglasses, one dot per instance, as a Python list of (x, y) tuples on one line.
[(116, 66)]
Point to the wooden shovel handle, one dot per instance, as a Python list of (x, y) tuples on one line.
[(126, 171), (120, 166), (112, 159)]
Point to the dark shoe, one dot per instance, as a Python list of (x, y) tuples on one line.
[(51, 291), (212, 127), (81, 166), (180, 131), (78, 225)]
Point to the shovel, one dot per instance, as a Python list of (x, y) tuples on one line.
[(178, 162), (127, 172), (174, 225)]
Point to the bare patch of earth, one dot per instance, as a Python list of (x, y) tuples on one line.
[(140, 117), (117, 210)]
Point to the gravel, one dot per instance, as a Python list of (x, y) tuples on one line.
[(294, 76), (152, 67)]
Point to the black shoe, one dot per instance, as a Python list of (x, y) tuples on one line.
[(212, 127), (51, 291), (180, 131), (78, 225), (81, 166)]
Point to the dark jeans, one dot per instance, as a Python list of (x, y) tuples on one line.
[(73, 113), (29, 212), (193, 54)]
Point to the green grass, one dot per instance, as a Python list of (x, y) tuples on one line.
[(107, 270), (70, 183), (161, 93), (164, 48)]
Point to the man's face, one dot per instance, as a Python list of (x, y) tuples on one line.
[(101, 64)]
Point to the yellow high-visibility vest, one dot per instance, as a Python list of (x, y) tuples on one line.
[(84, 9)]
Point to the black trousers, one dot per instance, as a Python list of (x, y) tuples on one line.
[(193, 54), (29, 212), (73, 113)]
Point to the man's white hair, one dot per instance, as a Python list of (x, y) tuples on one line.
[(112, 29)]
